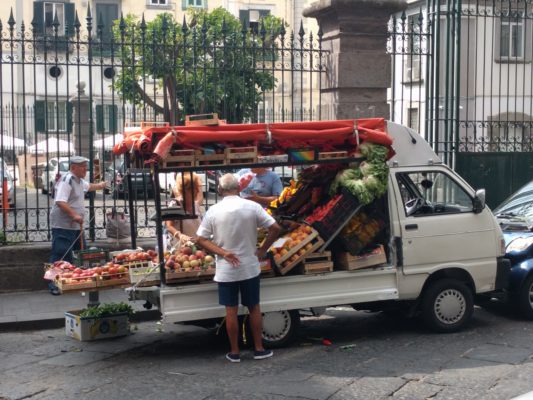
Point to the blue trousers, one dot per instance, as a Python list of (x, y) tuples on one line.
[(62, 240)]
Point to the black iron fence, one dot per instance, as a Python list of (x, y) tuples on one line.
[(463, 78), (72, 87)]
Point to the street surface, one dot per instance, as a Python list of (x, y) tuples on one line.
[(372, 356)]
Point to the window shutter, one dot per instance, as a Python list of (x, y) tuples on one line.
[(99, 118), (40, 116), (244, 16), (38, 17), (527, 40), (70, 110), (113, 112), (69, 18), (497, 37), (184, 4), (263, 13)]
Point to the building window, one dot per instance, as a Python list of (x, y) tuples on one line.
[(413, 119), (106, 118), (250, 18), (414, 49), (193, 3), (44, 14), (106, 14), (512, 39), (53, 116), (158, 2)]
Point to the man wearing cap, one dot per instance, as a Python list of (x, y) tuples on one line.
[(66, 216)]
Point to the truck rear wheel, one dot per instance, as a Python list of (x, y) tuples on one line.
[(447, 305), (280, 327)]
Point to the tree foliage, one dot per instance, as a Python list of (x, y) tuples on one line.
[(207, 63)]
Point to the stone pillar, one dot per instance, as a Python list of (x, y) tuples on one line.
[(358, 68), (81, 127)]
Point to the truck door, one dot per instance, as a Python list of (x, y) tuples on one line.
[(438, 224)]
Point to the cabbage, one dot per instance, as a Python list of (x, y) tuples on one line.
[(359, 190), (343, 176), (374, 152)]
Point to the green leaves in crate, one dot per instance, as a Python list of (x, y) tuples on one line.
[(106, 310)]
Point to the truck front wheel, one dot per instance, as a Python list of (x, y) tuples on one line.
[(447, 305), (525, 298), (280, 327)]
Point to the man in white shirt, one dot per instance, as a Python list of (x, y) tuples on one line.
[(229, 230), (66, 215)]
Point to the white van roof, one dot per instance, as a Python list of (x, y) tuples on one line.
[(411, 148)]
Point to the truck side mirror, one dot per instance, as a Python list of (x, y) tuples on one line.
[(479, 201)]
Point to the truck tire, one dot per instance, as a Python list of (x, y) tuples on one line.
[(447, 305), (524, 300), (280, 328)]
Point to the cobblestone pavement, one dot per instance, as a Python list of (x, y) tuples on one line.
[(372, 356)]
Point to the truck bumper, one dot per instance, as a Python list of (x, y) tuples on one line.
[(503, 272)]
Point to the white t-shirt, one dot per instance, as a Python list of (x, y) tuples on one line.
[(71, 190), (232, 224)]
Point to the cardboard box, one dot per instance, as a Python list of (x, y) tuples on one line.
[(87, 329), (345, 261)]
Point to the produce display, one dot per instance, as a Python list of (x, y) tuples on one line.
[(189, 259), (73, 278)]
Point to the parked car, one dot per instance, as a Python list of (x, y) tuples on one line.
[(141, 182), (515, 216)]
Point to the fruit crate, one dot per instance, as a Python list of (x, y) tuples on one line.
[(338, 216), (241, 155), (90, 257), (284, 263), (188, 276), (201, 119), (345, 261), (353, 243), (91, 328), (75, 284), (212, 159), (144, 273), (331, 155), (266, 269), (317, 263), (180, 158)]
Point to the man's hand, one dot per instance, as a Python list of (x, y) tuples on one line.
[(231, 258), (78, 219), (102, 185), (261, 253)]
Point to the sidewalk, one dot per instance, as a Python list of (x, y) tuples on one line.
[(39, 309)]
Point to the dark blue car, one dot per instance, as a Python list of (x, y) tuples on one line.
[(515, 216)]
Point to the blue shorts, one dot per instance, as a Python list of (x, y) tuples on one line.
[(228, 292)]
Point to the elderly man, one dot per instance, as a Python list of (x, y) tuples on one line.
[(66, 216), (229, 230)]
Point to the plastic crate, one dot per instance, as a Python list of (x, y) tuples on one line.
[(337, 216), (144, 273), (90, 258)]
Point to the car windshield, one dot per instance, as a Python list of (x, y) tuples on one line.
[(519, 206), (63, 166)]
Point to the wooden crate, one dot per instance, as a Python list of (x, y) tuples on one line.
[(266, 269), (241, 155), (114, 282), (317, 263), (153, 124), (179, 276), (213, 159), (345, 261), (201, 119), (75, 287), (327, 155), (316, 242), (180, 158)]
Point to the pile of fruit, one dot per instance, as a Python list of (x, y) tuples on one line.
[(108, 271), (292, 244), (189, 259), (134, 256)]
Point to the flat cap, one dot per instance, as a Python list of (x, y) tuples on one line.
[(78, 160)]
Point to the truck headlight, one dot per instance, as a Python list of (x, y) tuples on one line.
[(520, 244)]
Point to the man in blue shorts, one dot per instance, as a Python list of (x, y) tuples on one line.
[(229, 230), (264, 187)]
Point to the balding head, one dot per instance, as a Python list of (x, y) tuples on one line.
[(228, 184)]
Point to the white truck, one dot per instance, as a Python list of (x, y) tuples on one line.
[(444, 248)]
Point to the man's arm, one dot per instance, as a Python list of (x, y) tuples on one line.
[(97, 186), (263, 200), (212, 248), (273, 233), (64, 206)]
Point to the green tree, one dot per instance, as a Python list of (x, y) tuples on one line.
[(208, 64)]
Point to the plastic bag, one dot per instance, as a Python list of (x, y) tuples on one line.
[(117, 225)]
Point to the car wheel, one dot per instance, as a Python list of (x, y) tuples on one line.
[(280, 327), (447, 305), (525, 298)]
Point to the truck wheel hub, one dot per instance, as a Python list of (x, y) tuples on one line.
[(276, 325), (450, 306)]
